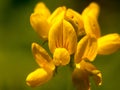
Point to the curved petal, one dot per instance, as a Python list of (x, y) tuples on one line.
[(86, 49), (56, 14), (40, 25), (42, 10), (55, 34), (108, 44), (42, 57), (92, 10), (76, 20), (38, 77), (62, 35), (90, 15), (69, 37)]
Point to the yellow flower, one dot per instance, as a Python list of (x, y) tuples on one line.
[(41, 19), (62, 29), (46, 70), (82, 73), (89, 46), (62, 41)]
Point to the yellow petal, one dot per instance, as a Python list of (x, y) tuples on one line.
[(62, 35), (42, 10), (55, 37), (42, 57), (90, 15), (92, 10), (108, 44), (61, 56), (76, 20), (92, 26), (86, 49), (55, 14), (40, 25), (80, 79), (69, 37), (38, 77)]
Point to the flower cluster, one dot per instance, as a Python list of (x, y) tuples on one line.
[(68, 34)]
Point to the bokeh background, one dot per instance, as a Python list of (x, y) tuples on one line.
[(16, 36)]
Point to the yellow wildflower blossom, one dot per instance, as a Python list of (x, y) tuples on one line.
[(89, 46), (45, 72), (63, 28), (62, 41)]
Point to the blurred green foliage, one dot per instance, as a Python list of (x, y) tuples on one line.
[(16, 36)]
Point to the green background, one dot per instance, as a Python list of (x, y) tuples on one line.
[(16, 36)]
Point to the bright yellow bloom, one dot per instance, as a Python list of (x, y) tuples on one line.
[(62, 29), (89, 46), (62, 41), (45, 72), (82, 73)]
